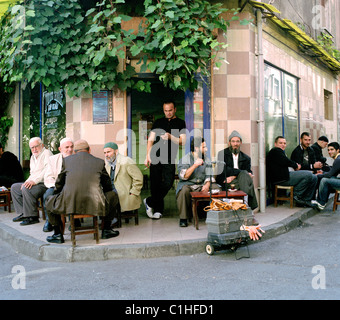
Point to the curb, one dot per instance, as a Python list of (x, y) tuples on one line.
[(43, 251)]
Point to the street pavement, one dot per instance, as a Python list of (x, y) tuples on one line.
[(302, 264)]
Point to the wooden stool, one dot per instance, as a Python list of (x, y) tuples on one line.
[(336, 200), (286, 198), (81, 230), (40, 206), (127, 215), (5, 200)]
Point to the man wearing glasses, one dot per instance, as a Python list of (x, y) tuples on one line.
[(25, 194)]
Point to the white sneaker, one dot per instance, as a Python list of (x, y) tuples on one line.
[(319, 206), (148, 209), (157, 215)]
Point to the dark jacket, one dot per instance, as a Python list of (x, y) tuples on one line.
[(10, 169), (297, 156), (318, 153), (80, 186), (277, 164), (227, 170)]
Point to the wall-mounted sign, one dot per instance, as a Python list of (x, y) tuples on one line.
[(54, 119), (102, 106)]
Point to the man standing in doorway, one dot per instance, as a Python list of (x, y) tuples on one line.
[(166, 135)]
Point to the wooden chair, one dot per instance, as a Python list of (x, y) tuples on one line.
[(5, 200), (93, 229), (284, 197), (127, 215), (40, 206), (336, 200)]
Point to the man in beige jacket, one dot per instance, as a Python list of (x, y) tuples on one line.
[(126, 178)]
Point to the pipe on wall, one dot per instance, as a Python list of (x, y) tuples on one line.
[(260, 121)]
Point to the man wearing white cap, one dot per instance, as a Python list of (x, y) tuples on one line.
[(53, 169)]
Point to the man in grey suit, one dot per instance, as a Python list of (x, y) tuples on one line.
[(82, 187)]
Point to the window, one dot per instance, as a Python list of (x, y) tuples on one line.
[(281, 107), (328, 105)]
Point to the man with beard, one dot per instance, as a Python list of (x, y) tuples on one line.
[(193, 176), (126, 178), (234, 167), (304, 155)]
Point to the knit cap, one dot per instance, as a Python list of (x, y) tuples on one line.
[(235, 134)]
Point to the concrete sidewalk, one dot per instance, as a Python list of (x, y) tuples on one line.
[(151, 238)]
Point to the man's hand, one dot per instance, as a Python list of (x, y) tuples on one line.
[(147, 161), (230, 179), (28, 184), (205, 187), (317, 165)]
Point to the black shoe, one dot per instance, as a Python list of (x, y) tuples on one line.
[(29, 220), (56, 238), (183, 222), (19, 218), (47, 227), (109, 233)]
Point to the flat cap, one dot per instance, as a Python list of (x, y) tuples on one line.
[(80, 145)]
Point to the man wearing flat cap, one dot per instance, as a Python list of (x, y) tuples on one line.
[(234, 167), (126, 178), (82, 187), (317, 148)]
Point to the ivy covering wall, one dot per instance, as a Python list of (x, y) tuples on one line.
[(64, 45)]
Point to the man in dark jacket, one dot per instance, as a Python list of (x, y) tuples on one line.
[(234, 167), (278, 173), (317, 148), (10, 168), (329, 180), (304, 155), (82, 187)]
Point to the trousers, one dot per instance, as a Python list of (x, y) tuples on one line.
[(327, 185), (304, 183), (25, 200), (244, 182), (162, 177)]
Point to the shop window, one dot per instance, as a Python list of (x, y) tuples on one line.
[(281, 107)]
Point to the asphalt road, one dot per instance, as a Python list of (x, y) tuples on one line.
[(302, 264)]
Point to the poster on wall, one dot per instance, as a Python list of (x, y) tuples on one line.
[(102, 106), (54, 119)]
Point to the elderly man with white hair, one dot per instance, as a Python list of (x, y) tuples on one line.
[(25, 194), (53, 169)]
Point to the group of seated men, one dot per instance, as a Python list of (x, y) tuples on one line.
[(313, 179), (74, 181)]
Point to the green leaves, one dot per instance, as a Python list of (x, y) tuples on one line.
[(56, 43)]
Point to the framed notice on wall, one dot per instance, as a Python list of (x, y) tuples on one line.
[(102, 106)]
